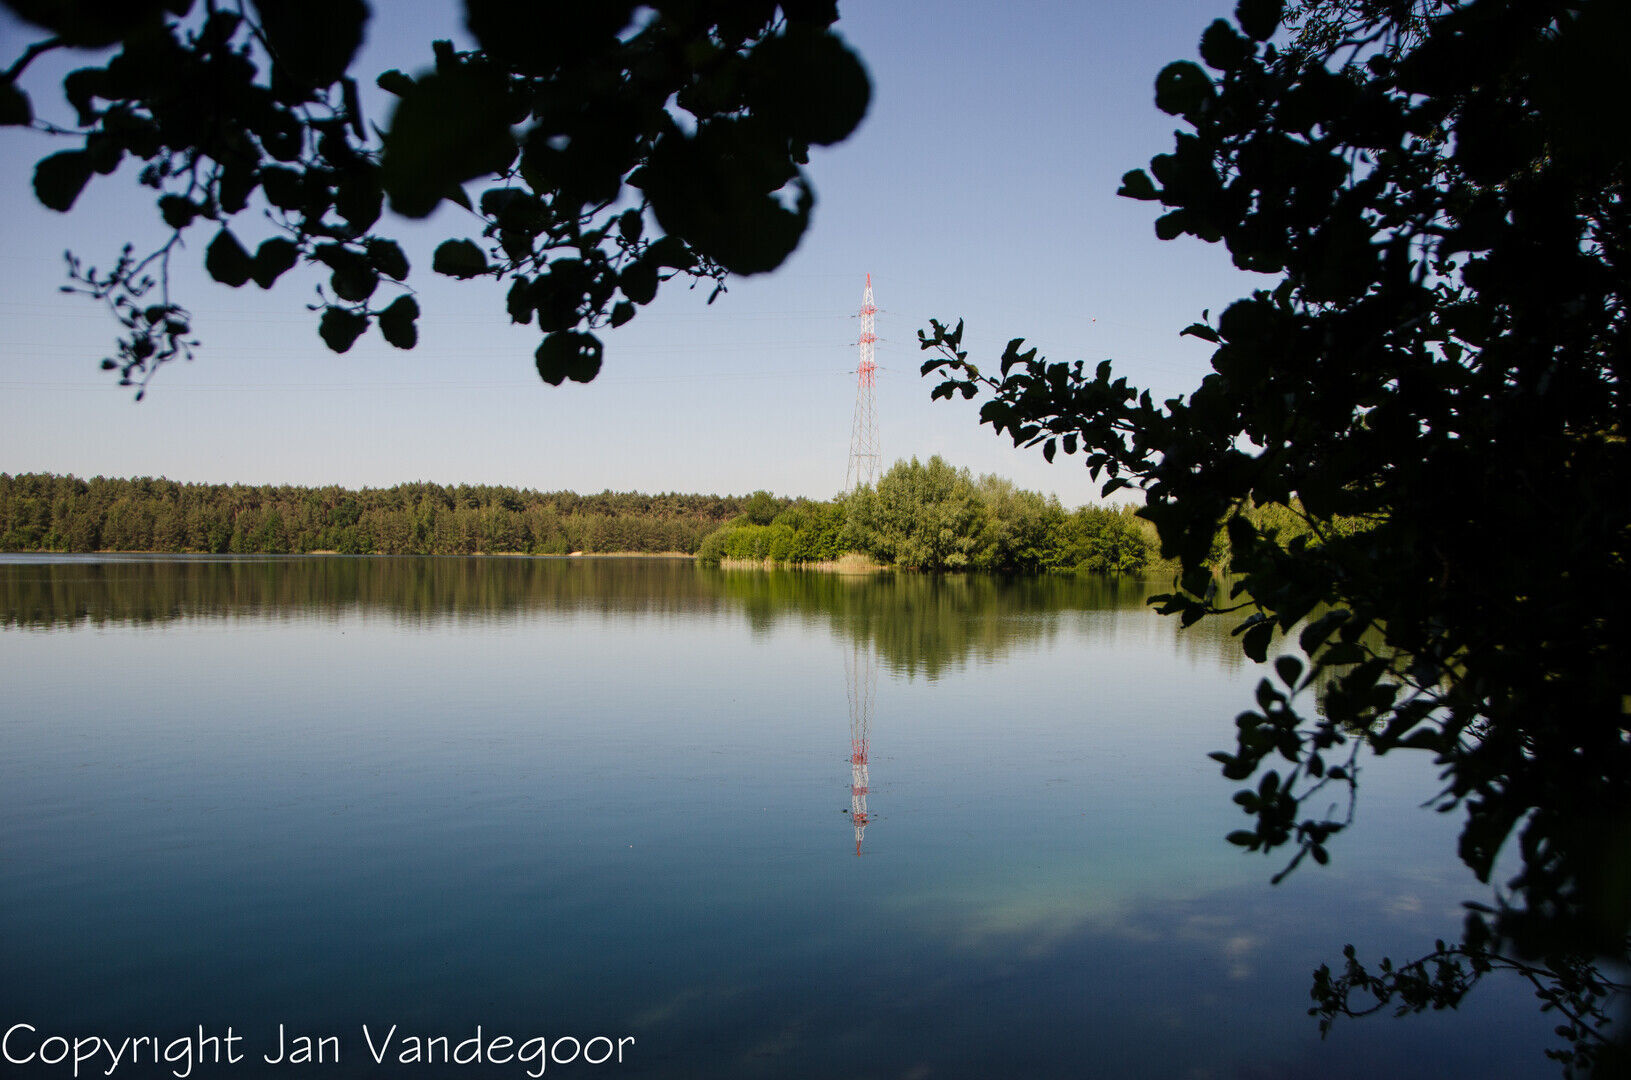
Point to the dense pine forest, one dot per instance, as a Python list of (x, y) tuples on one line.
[(40, 512)]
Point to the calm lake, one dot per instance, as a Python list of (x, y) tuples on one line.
[(564, 798)]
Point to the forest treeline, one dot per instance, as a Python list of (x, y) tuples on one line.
[(42, 512), (920, 515), (925, 515)]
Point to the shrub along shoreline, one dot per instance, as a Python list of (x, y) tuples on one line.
[(932, 516)]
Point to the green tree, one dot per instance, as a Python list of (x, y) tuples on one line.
[(1096, 540), (1443, 354), (618, 145), (1016, 527), (818, 528), (761, 508), (924, 515)]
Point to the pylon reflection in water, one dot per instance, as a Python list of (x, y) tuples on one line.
[(860, 666)]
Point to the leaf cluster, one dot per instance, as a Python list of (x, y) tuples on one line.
[(623, 144), (1576, 990)]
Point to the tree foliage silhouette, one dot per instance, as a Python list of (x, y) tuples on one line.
[(1440, 359), (621, 145)]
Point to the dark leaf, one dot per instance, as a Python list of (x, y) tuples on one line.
[(1222, 48), (15, 108), (809, 83), (227, 261), (629, 225), (1315, 633), (721, 192), (452, 126), (568, 354), (1343, 652), (397, 322), (639, 282), (58, 179), (387, 258), (359, 198), (460, 259), (1172, 225), (354, 280), (1259, 18), (1255, 641), (340, 328), (313, 41), (1136, 184), (274, 257), (519, 301), (178, 211), (670, 251), (1182, 88), (394, 82)]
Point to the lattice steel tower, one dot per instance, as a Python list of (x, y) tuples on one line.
[(863, 439)]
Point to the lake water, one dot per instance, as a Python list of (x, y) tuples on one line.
[(571, 798)]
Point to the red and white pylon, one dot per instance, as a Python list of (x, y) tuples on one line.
[(863, 439)]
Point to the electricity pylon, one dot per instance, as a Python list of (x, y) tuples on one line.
[(863, 439)]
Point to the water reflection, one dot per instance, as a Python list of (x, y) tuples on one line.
[(450, 792), (915, 624), (861, 673)]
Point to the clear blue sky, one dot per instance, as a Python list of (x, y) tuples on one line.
[(981, 185)]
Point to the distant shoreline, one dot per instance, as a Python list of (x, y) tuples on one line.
[(90, 555), (46, 512)]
